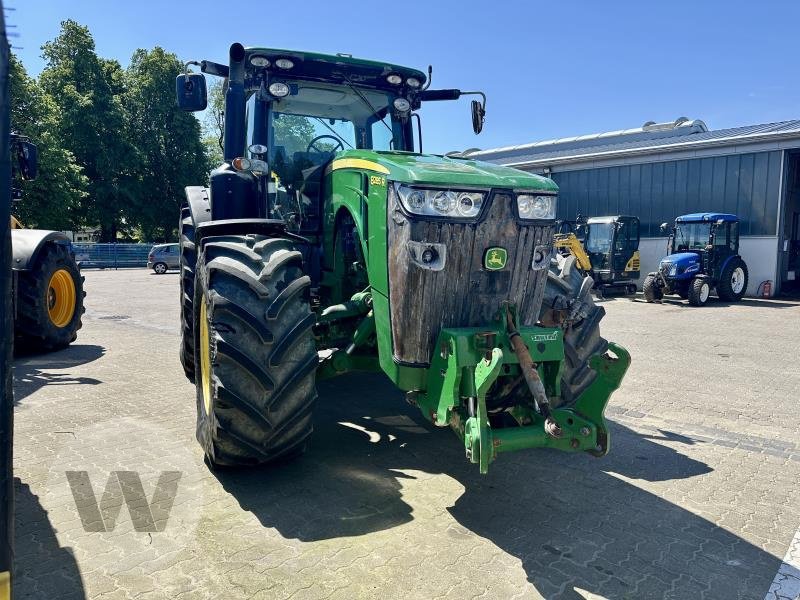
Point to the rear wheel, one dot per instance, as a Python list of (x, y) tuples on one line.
[(733, 280), (160, 268), (188, 264), (699, 291), (49, 301), (650, 289), (255, 349)]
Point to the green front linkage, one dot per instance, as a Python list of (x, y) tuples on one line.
[(469, 360)]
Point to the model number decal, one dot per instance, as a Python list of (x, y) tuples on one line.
[(545, 337), (377, 180)]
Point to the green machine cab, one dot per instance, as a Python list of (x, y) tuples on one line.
[(327, 242)]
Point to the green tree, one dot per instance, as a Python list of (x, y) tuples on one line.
[(87, 91), (214, 121), (170, 153), (53, 199)]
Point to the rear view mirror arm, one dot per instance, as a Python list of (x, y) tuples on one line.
[(213, 68)]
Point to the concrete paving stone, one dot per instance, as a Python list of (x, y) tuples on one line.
[(697, 498)]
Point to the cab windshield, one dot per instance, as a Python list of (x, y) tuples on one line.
[(319, 118), (598, 240), (305, 129), (692, 236)]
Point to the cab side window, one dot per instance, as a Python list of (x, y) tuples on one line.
[(721, 235), (733, 237), (623, 236)]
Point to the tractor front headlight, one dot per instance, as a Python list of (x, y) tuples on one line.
[(536, 207), (456, 204)]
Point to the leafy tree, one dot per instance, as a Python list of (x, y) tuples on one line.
[(87, 91), (170, 153), (53, 200), (214, 122)]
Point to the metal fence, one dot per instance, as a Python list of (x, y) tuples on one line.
[(105, 256)]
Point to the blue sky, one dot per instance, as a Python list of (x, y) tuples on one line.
[(549, 69)]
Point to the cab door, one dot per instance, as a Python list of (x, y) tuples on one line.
[(725, 244), (626, 248)]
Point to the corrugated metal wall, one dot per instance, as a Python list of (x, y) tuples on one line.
[(743, 184)]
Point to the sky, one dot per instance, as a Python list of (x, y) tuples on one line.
[(549, 69)]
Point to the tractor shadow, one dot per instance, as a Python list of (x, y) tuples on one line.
[(572, 520), (34, 371), (42, 567)]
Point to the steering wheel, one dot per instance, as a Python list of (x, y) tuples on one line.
[(337, 145)]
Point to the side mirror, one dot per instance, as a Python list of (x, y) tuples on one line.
[(664, 227), (28, 158), (478, 114), (190, 90)]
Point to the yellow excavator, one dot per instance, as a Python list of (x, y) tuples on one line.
[(605, 248)]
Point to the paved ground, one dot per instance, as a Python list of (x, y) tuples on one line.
[(698, 498)]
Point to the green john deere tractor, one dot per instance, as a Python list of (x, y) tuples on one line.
[(327, 242)]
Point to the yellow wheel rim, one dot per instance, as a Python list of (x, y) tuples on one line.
[(61, 298), (205, 356)]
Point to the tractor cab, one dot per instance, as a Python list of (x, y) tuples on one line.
[(703, 253), (289, 114), (701, 243)]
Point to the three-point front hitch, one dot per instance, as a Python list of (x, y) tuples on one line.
[(468, 363)]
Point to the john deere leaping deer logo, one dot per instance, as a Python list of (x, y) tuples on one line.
[(495, 258)]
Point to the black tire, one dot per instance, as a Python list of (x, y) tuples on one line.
[(652, 292), (160, 268), (34, 329), (256, 393), (699, 291), (188, 264), (582, 339), (734, 277)]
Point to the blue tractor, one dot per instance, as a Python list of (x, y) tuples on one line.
[(703, 254)]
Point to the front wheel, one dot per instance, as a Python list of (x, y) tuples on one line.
[(49, 301), (733, 281), (255, 350), (699, 291), (650, 289)]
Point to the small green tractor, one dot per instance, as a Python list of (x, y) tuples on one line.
[(327, 242)]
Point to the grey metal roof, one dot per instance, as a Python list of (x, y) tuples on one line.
[(651, 138)]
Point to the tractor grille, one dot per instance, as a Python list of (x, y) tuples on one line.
[(665, 267), (462, 293)]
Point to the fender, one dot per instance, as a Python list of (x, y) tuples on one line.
[(204, 225), (27, 243), (197, 197), (727, 260)]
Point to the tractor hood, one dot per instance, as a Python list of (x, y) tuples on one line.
[(681, 263), (683, 259), (408, 167)]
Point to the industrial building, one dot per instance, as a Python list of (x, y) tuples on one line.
[(662, 170)]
